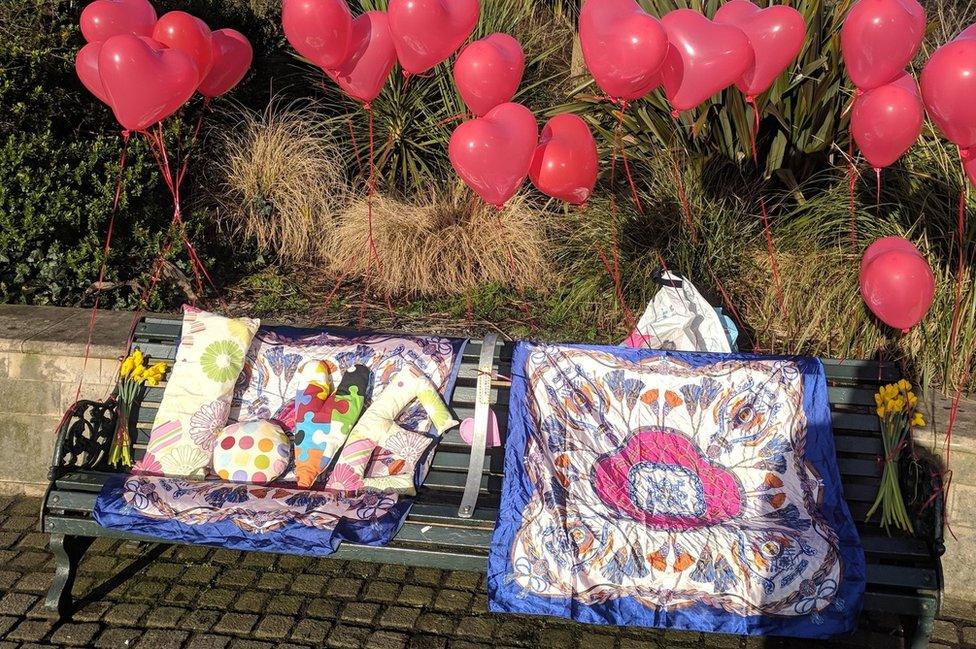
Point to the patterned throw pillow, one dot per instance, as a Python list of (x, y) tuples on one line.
[(253, 452), (197, 398)]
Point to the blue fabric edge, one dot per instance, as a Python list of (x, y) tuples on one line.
[(505, 596)]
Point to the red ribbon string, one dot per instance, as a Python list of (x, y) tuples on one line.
[(683, 198), (754, 134), (370, 195), (771, 249), (877, 199), (851, 183), (614, 271), (957, 308)]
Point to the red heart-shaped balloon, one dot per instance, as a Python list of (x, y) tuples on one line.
[(566, 163), (104, 19), (427, 32), (949, 88), (879, 38), (144, 81), (86, 66), (898, 287), (371, 58), (703, 59), (492, 154), (232, 57), (319, 30), (488, 72), (623, 47), (179, 30), (776, 35), (887, 121)]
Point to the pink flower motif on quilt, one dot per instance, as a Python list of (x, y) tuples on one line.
[(207, 422), (148, 465)]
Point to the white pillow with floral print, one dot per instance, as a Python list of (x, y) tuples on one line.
[(197, 397)]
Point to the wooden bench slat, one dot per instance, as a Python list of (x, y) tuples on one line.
[(855, 421), (924, 578)]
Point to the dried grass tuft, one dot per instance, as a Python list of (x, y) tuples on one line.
[(444, 247), (282, 182)]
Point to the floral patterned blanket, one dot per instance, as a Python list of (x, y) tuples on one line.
[(281, 518), (674, 490)]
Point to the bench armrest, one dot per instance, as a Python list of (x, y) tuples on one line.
[(84, 438)]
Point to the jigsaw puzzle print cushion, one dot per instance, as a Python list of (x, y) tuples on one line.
[(196, 401), (252, 452), (675, 490), (324, 419)]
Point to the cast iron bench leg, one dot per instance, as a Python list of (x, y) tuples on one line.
[(67, 551)]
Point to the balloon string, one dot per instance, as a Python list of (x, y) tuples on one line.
[(754, 134), (771, 249), (851, 182), (957, 308), (370, 196), (877, 199), (452, 118), (614, 270), (355, 145), (623, 156), (105, 253), (728, 302), (683, 198)]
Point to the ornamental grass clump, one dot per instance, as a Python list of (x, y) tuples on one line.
[(896, 409), (134, 377)]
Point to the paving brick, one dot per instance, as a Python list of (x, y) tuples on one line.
[(200, 620), (590, 640), (427, 642), (344, 588), (31, 630), (145, 591), (164, 617), (426, 576), (969, 635), (519, 631), (34, 582), (359, 613), (115, 638), (452, 601), (182, 595), (192, 553), (285, 604), (251, 602), (40, 612), (31, 559), (435, 623), (198, 575), (259, 560), (416, 595), (236, 623), (393, 571), (479, 603), (17, 603), (208, 641), (293, 563), (462, 580), (91, 612), (8, 578), (946, 632), (165, 571), (463, 644), (274, 581), (239, 643), (225, 557), (323, 608), (381, 591), (237, 578), (19, 523), (219, 598), (311, 631), (125, 614), (274, 627), (308, 584), (7, 622), (33, 541), (162, 639), (75, 635), (399, 617), (345, 636), (476, 628)]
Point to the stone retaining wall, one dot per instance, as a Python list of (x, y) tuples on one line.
[(42, 353)]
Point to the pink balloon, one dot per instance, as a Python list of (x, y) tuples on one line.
[(969, 164), (492, 154), (488, 72), (887, 121), (232, 57), (103, 19), (179, 30), (880, 38), (949, 88), (898, 287), (969, 32), (886, 244), (623, 47), (319, 30), (371, 58), (703, 59), (565, 163), (427, 32), (86, 66), (776, 35), (144, 81)]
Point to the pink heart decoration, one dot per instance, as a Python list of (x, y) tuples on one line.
[(179, 30), (371, 58), (488, 72), (879, 38), (144, 81), (494, 438), (103, 19), (703, 59), (319, 30), (623, 47), (566, 163), (776, 35), (86, 66), (232, 57), (492, 154), (948, 89), (887, 121), (427, 32)]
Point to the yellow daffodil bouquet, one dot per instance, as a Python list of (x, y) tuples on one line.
[(896, 409), (134, 377)]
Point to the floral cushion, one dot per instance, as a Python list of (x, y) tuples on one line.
[(253, 452), (197, 397)]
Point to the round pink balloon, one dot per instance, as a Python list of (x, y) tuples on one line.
[(319, 30), (566, 163), (949, 89), (898, 287), (887, 121), (104, 19), (492, 154), (427, 32), (776, 35), (969, 32), (703, 59), (179, 30), (880, 38), (371, 58), (86, 66), (623, 47), (488, 72), (144, 81), (886, 244), (232, 57)]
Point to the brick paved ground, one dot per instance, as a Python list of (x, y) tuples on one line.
[(179, 597)]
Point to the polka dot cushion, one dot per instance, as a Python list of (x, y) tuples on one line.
[(254, 452)]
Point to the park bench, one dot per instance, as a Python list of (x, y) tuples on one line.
[(451, 523)]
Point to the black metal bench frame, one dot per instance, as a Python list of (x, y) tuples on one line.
[(452, 520)]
